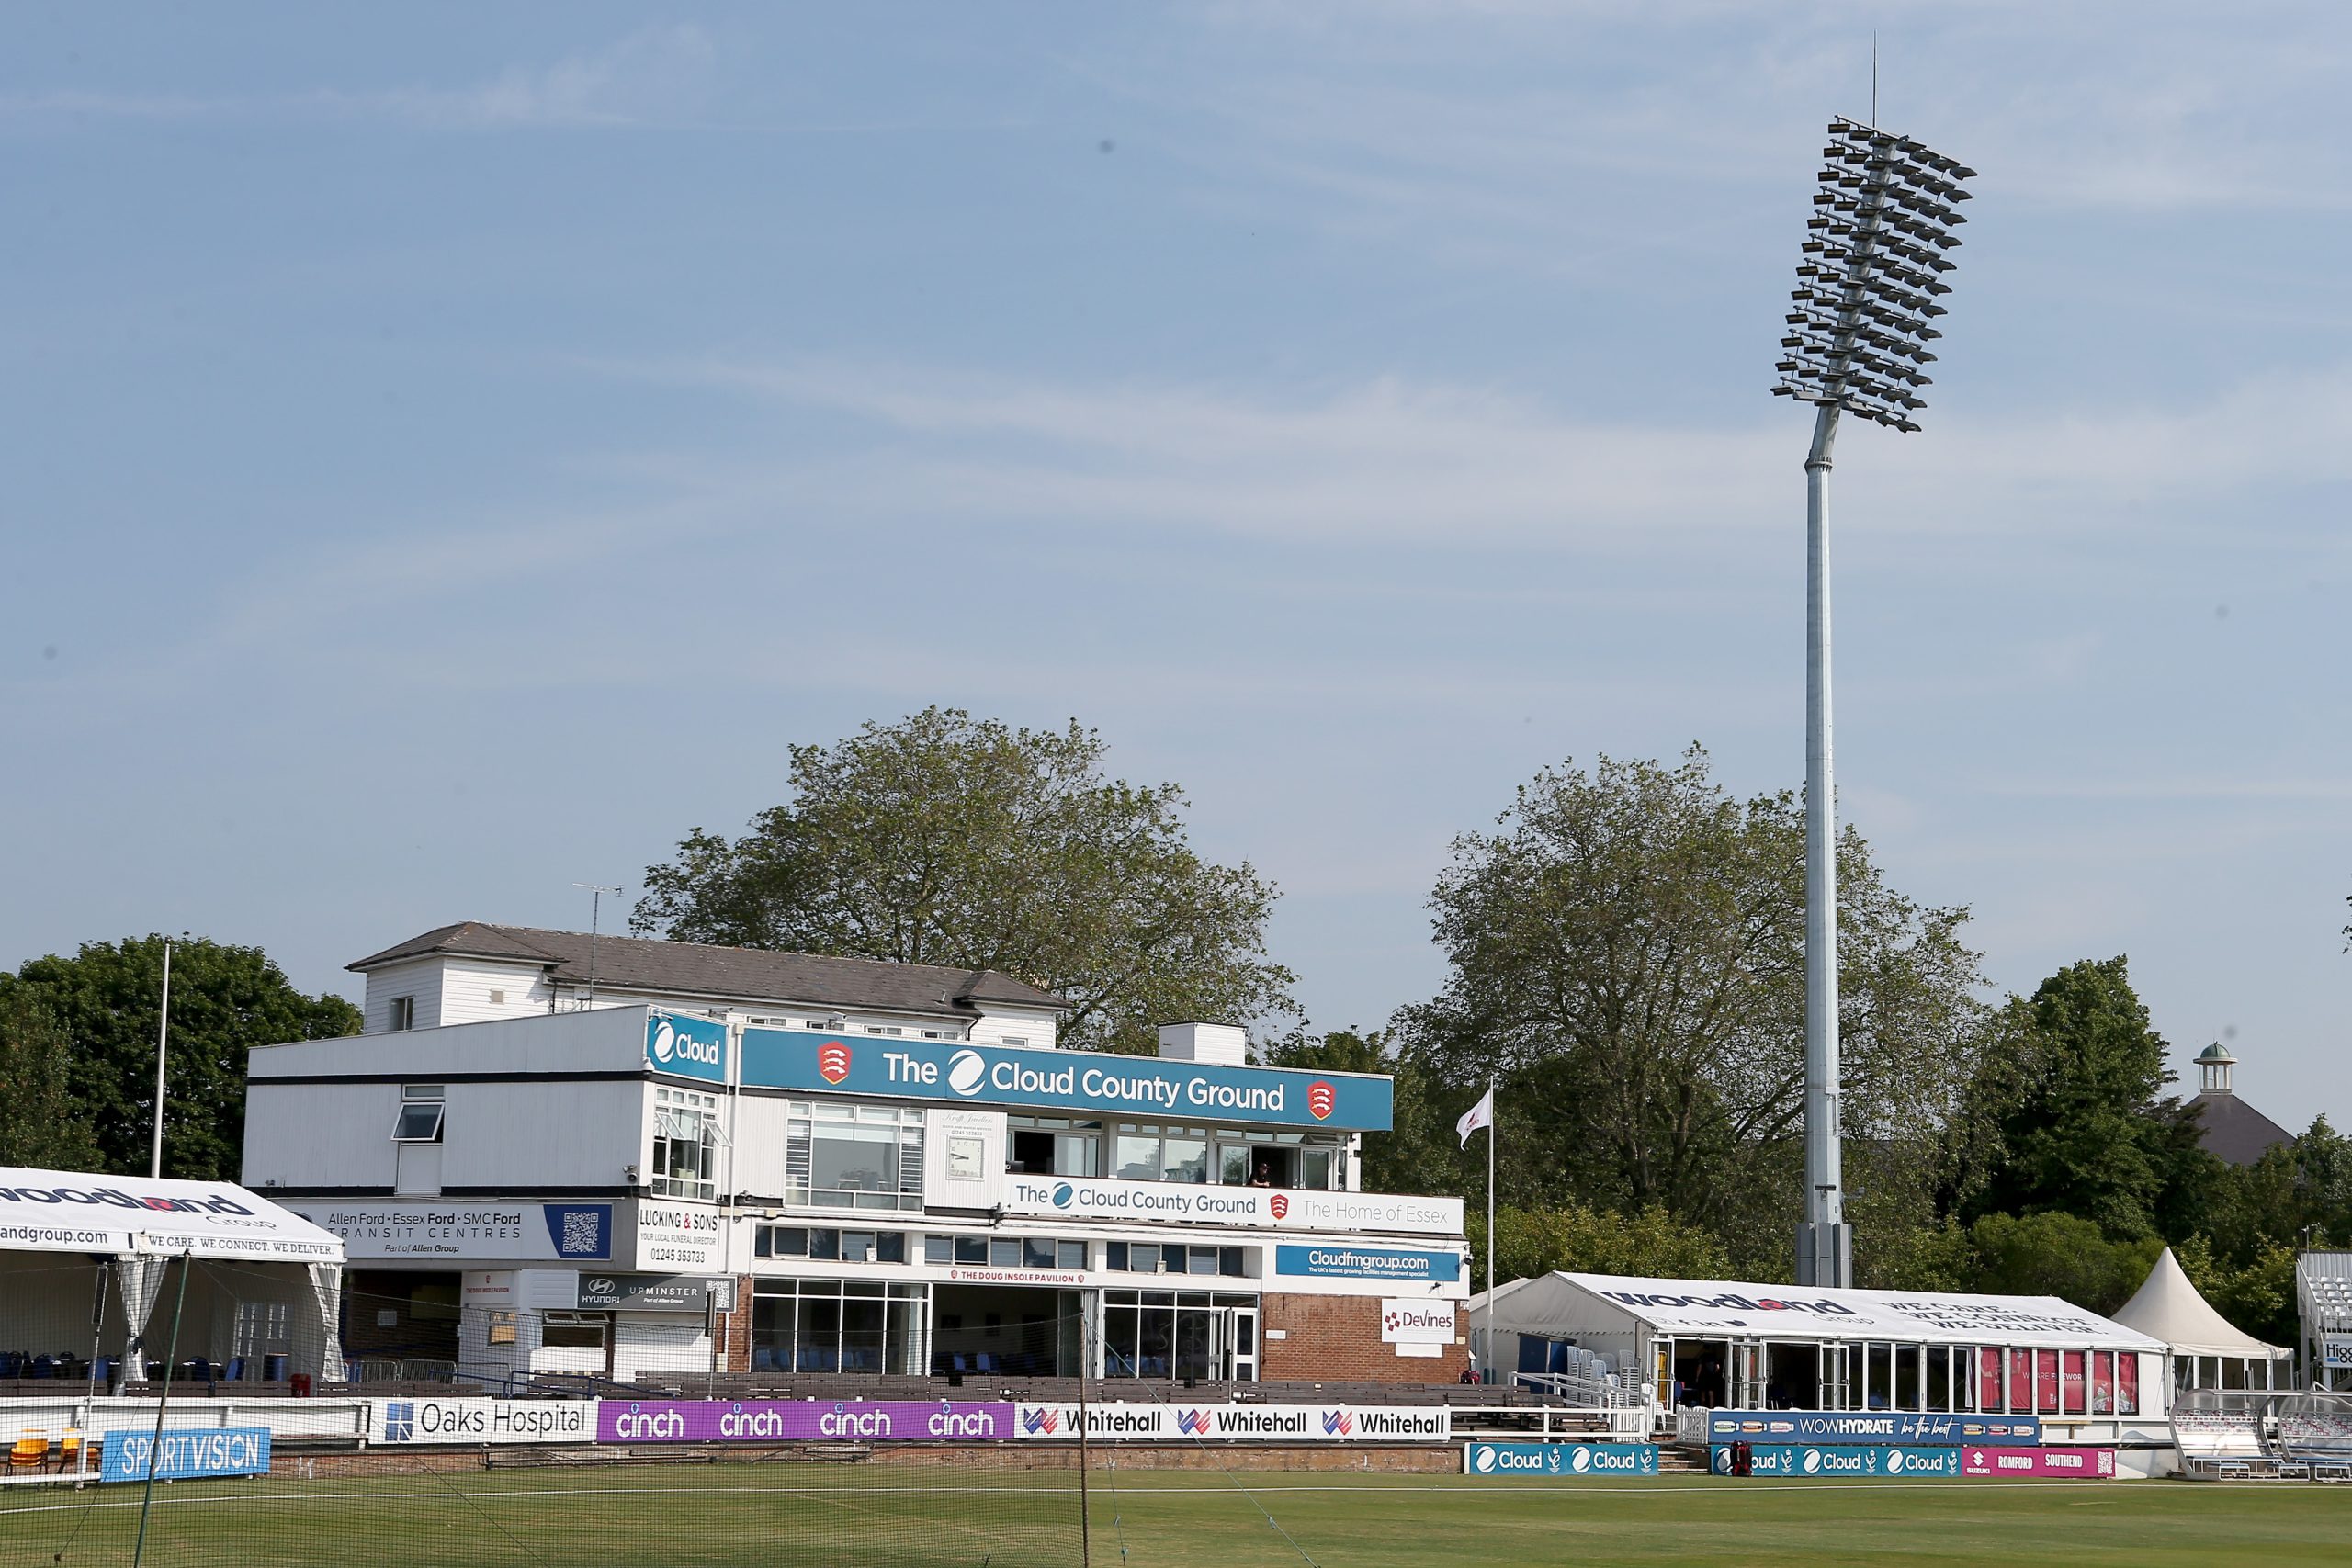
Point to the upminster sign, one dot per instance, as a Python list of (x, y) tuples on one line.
[(1065, 1080), (1261, 1207)]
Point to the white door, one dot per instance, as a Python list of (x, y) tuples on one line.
[(1241, 1344)]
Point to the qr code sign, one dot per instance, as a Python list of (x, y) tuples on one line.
[(579, 1235)]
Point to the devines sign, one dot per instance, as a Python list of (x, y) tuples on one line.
[(996, 1074), (1182, 1423)]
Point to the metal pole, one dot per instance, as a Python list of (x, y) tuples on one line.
[(163, 1036), (1486, 1365), (155, 1443), (1824, 1253)]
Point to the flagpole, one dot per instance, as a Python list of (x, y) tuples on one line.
[(1490, 1228)]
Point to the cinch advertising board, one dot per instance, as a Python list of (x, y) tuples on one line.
[(475, 1421), (1263, 1208), (2079, 1464), (1181, 1423), (686, 1047), (800, 1421), (1331, 1260), (1868, 1427), (185, 1456), (1824, 1462), (1561, 1461), (1125, 1086)]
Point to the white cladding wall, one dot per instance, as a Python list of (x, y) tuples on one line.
[(514, 1135)]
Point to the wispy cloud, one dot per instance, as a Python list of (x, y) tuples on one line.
[(651, 76)]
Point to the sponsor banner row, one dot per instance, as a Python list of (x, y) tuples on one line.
[(1866, 1427), (1181, 1423), (470, 1422), (1811, 1460), (1928, 1459), (185, 1456), (1568, 1461)]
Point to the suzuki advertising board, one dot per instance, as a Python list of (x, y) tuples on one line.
[(1561, 1461), (686, 1047), (800, 1421), (1262, 1208), (1868, 1427), (1182, 1423), (2079, 1464), (477, 1421), (1069, 1080), (186, 1455), (1806, 1461)]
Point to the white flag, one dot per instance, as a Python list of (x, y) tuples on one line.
[(1479, 1115)]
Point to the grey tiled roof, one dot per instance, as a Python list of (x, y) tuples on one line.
[(687, 968), (2234, 1131)]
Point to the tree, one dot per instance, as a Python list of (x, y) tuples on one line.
[(1626, 952), (2064, 1114), (1650, 1243), (2052, 1254), (40, 1123), (225, 1000), (947, 839)]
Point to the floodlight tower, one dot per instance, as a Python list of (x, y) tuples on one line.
[(1874, 258)]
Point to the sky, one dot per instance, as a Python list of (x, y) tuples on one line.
[(454, 451)]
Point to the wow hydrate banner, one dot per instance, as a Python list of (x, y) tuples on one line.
[(1568, 1461), (1068, 1080), (1867, 1426), (800, 1421), (1808, 1459), (185, 1456)]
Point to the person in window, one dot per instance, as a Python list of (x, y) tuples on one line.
[(1265, 1174)]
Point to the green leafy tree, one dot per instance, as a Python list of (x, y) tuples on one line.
[(41, 1124), (1420, 1154), (947, 839), (225, 1000), (1650, 1242), (2055, 1254), (2064, 1114), (1626, 952)]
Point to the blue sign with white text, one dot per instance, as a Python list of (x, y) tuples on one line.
[(1335, 1260), (1868, 1426), (186, 1455), (1143, 1086), (689, 1048), (1832, 1463), (1567, 1460)]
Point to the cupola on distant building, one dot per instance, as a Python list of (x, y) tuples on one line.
[(2229, 1128)]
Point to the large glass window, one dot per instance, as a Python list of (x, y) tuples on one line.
[(686, 1143), (853, 1156), (1160, 1154), (1052, 1146), (1171, 1334), (1173, 1257), (827, 1246), (839, 1325)]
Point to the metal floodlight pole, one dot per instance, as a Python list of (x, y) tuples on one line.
[(1866, 291), (596, 891), (162, 1047)]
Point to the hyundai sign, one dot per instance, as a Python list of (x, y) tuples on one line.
[(1561, 1461), (1068, 1080), (687, 1047)]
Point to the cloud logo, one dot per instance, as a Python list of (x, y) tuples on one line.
[(1722, 1461), (1482, 1459), (1895, 1461), (665, 1041), (964, 1071), (1813, 1461), (1581, 1460), (1064, 1195)]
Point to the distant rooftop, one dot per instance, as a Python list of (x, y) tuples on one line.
[(725, 974), (2228, 1127)]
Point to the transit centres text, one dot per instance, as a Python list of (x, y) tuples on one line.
[(1099, 1083)]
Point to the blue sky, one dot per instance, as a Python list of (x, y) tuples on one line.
[(454, 453)]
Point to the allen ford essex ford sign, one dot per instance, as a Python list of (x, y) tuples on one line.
[(1262, 1208), (1073, 1080)]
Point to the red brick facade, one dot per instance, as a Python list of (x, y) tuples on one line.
[(1337, 1339)]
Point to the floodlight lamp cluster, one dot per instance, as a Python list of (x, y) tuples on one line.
[(1875, 257)]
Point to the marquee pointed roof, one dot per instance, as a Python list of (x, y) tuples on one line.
[(2168, 1307)]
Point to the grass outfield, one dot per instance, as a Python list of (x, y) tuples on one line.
[(907, 1516)]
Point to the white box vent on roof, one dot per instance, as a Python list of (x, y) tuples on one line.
[(1225, 1044)]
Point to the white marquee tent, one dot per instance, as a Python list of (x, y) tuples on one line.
[(2207, 1350), (85, 1260)]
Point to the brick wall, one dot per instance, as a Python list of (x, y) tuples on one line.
[(1337, 1339)]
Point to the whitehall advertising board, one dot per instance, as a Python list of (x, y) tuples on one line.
[(1181, 1423), (999, 1075), (1261, 1207)]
